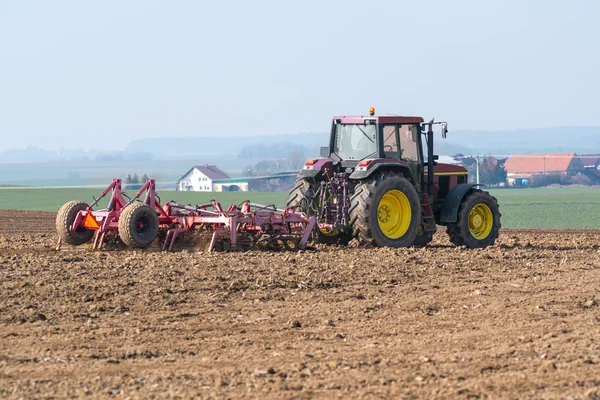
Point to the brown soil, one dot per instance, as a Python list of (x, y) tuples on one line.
[(518, 320)]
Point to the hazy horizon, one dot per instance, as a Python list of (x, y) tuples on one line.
[(97, 75)]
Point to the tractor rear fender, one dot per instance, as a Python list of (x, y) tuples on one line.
[(378, 166), (318, 167), (451, 203)]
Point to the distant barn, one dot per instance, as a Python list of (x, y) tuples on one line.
[(521, 169)]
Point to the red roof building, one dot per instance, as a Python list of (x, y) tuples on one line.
[(542, 163), (523, 166)]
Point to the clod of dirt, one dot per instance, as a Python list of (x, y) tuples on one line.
[(260, 373), (592, 394), (219, 381), (36, 317), (589, 303)]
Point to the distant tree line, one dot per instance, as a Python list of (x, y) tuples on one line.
[(123, 156), (491, 170), (134, 181), (270, 150), (293, 162)]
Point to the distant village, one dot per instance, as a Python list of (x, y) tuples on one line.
[(533, 170), (527, 170)]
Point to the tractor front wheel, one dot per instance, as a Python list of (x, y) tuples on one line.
[(478, 221), (64, 220), (138, 225), (385, 211)]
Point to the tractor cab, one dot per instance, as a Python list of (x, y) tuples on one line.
[(355, 139), (359, 144), (379, 181)]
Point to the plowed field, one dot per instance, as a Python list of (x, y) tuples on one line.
[(518, 320)]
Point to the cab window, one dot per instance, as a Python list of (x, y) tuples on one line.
[(408, 143), (391, 148)]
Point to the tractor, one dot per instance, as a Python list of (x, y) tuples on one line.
[(379, 181)]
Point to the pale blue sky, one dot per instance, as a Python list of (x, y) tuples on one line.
[(79, 73)]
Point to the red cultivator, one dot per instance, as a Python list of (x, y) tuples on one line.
[(140, 222)]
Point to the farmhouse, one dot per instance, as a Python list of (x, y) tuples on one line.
[(200, 178), (520, 169), (209, 178)]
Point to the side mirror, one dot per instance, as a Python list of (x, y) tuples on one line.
[(444, 130), (325, 151)]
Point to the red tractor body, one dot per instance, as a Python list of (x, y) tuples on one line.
[(373, 182)]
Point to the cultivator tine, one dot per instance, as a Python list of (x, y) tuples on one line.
[(164, 246), (96, 236), (98, 239), (212, 241), (233, 232), (171, 237), (307, 230)]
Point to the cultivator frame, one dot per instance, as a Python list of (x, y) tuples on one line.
[(255, 222)]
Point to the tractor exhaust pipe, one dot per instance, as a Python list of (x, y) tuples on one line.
[(430, 161)]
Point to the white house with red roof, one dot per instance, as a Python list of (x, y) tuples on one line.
[(201, 178)]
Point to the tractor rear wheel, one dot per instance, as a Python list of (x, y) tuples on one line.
[(385, 211), (304, 197), (478, 221), (64, 220), (138, 225)]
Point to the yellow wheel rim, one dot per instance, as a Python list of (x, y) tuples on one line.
[(481, 221), (394, 214), (331, 233)]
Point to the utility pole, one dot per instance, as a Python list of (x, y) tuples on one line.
[(544, 165)]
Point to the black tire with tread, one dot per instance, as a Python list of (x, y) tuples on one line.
[(363, 210), (300, 197), (65, 218), (128, 225), (459, 233)]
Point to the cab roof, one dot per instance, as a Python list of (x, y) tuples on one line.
[(380, 119)]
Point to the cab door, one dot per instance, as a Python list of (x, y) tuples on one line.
[(409, 136), (391, 142)]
